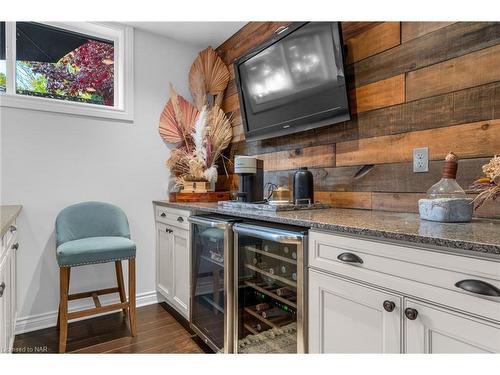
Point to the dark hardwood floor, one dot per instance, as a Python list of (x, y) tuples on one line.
[(157, 332)]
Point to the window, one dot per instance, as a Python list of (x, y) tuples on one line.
[(58, 64), (78, 68)]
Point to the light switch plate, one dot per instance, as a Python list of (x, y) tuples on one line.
[(421, 159)]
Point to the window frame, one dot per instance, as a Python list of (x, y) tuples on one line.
[(122, 37)]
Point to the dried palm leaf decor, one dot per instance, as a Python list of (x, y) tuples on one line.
[(177, 119), (200, 132), (208, 75)]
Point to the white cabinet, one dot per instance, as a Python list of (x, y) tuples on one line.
[(348, 317), (438, 330), (164, 265), (438, 305), (173, 257), (181, 282), (8, 296)]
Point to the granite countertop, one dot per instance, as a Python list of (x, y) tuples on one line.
[(8, 215), (481, 236)]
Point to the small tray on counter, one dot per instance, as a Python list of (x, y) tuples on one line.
[(265, 206)]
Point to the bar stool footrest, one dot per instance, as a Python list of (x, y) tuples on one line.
[(97, 310), (90, 294)]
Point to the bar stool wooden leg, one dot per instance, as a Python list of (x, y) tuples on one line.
[(121, 285), (131, 295), (59, 310), (63, 311)]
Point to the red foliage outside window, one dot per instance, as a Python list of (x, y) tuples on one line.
[(88, 69)]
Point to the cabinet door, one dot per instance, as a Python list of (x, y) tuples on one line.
[(348, 317), (3, 306), (437, 330), (181, 270), (13, 293), (8, 299), (164, 261)]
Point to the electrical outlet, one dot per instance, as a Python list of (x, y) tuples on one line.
[(421, 159)]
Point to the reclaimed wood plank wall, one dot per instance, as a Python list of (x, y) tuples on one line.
[(411, 84)]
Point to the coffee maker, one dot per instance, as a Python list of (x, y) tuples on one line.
[(251, 171)]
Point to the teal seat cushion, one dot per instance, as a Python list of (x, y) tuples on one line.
[(94, 250)]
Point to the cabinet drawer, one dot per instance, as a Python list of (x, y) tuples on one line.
[(172, 216), (424, 266)]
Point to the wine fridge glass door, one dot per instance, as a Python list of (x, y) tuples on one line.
[(208, 293), (266, 277)]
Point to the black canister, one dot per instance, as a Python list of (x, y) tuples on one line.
[(303, 187)]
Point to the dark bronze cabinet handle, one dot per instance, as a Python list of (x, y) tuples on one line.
[(2, 288), (168, 230), (180, 219), (163, 214), (15, 246), (478, 287), (389, 306), (13, 228), (350, 258), (411, 313)]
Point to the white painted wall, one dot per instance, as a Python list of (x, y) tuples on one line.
[(50, 161)]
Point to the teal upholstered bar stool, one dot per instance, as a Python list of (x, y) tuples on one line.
[(90, 233)]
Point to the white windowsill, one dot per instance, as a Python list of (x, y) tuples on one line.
[(65, 107)]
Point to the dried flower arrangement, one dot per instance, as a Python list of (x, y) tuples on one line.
[(489, 185), (200, 131)]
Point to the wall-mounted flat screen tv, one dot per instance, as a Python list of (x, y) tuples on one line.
[(293, 82)]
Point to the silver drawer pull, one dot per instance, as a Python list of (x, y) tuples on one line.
[(2, 288), (350, 258), (478, 287)]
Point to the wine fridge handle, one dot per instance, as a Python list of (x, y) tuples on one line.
[(208, 222), (274, 235)]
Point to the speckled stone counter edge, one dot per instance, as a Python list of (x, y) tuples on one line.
[(8, 215), (482, 249)]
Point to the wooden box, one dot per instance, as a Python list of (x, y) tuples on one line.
[(210, 196), (197, 187)]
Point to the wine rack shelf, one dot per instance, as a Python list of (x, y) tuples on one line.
[(271, 294), (276, 322), (250, 329), (213, 304), (282, 279), (213, 261), (271, 255)]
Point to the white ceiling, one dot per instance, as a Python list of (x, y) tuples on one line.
[(201, 34)]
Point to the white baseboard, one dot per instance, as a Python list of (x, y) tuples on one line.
[(49, 319)]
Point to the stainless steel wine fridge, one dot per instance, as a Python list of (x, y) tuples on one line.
[(269, 289), (212, 280)]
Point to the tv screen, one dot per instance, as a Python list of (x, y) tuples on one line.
[(293, 82)]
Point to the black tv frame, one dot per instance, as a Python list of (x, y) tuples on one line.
[(276, 131)]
